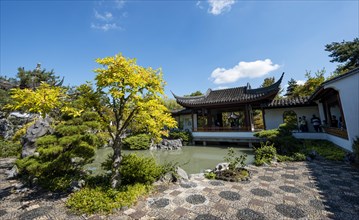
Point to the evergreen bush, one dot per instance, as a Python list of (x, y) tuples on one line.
[(186, 136), (137, 142), (9, 149), (264, 154), (105, 200), (60, 157), (136, 169)]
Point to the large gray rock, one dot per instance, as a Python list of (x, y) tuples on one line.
[(9, 124), (41, 128), (6, 128), (166, 144), (221, 167), (181, 174)]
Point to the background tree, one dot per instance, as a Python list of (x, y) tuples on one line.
[(196, 93), (126, 94), (171, 104), (33, 78), (268, 81), (292, 85), (346, 52), (312, 83)]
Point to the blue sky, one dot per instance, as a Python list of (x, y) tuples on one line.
[(198, 44)]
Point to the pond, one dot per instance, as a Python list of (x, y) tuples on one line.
[(193, 159)]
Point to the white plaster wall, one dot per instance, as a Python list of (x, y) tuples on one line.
[(348, 89), (224, 134), (274, 117)]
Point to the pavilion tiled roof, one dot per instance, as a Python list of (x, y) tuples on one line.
[(238, 95), (288, 102)]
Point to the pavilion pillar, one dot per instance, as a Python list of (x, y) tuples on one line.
[(247, 119), (209, 118), (192, 120), (264, 119)]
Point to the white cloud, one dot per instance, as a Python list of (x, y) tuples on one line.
[(120, 3), (105, 27), (253, 69), (221, 87), (300, 82), (217, 7), (107, 16), (199, 5)]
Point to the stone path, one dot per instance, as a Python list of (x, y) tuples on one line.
[(302, 190)]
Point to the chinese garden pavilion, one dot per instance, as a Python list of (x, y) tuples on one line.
[(232, 109)]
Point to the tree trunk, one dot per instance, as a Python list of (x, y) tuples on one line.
[(116, 162)]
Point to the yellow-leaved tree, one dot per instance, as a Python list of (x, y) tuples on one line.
[(127, 95), (43, 100)]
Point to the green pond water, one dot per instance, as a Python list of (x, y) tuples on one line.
[(193, 159)]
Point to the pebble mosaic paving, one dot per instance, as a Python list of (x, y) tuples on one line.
[(301, 190)]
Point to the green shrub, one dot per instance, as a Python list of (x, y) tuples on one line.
[(283, 158), (282, 138), (233, 160), (264, 154), (210, 175), (9, 149), (186, 136), (137, 142), (105, 200), (299, 157), (61, 156), (325, 149), (136, 169), (294, 157)]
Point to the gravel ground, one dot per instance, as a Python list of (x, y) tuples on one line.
[(301, 190)]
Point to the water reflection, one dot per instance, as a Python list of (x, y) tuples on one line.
[(193, 159)]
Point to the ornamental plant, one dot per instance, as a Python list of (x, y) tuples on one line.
[(127, 96), (60, 157)]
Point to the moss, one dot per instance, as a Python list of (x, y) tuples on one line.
[(325, 149)]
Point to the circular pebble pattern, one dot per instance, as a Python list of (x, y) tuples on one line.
[(196, 199), (271, 169), (35, 213), (289, 189), (2, 212), (261, 192), (207, 217), (216, 183), (161, 203), (266, 178), (188, 185), (290, 211), (290, 176), (245, 182), (249, 214), (229, 195)]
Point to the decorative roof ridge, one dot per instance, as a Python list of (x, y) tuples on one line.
[(190, 97), (321, 86), (274, 86)]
